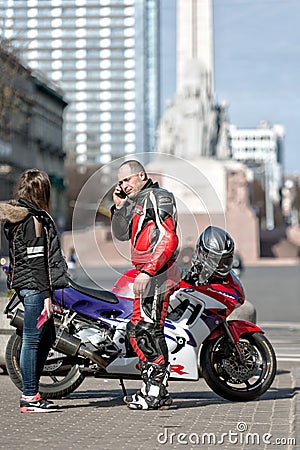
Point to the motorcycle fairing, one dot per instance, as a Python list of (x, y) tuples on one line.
[(228, 292), (93, 307), (238, 328), (183, 351)]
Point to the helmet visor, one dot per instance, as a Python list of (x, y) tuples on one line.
[(211, 264)]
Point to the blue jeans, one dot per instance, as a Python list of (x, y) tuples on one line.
[(35, 343)]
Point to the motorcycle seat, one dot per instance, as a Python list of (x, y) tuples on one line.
[(103, 295)]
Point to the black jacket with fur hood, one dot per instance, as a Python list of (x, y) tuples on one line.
[(36, 262)]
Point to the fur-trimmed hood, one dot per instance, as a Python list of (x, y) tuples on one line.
[(12, 212)]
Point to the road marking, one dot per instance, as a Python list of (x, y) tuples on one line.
[(285, 339), (289, 325), (278, 358), (286, 346)]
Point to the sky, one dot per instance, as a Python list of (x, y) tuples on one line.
[(256, 64)]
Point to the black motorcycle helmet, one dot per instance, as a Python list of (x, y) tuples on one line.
[(213, 255)]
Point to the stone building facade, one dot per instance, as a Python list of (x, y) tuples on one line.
[(31, 111)]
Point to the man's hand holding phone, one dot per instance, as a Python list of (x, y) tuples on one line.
[(119, 197)]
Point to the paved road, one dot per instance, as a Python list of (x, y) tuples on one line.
[(94, 417), (285, 338), (274, 291)]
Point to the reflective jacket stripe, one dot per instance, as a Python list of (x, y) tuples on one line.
[(34, 252)]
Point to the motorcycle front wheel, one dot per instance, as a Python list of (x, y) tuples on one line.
[(60, 377), (235, 378)]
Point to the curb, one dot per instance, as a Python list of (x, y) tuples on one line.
[(296, 374), (272, 262)]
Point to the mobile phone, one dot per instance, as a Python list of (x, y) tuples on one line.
[(121, 194), (41, 320)]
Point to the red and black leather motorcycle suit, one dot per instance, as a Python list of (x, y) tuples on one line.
[(149, 221)]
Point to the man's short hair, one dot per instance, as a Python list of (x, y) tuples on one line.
[(135, 166)]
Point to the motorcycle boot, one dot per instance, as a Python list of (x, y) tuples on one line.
[(153, 394), (130, 398)]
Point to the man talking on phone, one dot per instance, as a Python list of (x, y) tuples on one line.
[(146, 214)]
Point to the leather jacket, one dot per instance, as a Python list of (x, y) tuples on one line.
[(149, 221), (22, 271)]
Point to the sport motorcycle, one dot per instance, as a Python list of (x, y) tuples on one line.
[(234, 356)]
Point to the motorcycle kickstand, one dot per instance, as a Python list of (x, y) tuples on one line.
[(123, 387)]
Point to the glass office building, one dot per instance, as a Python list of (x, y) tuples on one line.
[(104, 54)]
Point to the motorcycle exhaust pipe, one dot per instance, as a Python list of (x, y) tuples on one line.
[(70, 345), (17, 319), (64, 342)]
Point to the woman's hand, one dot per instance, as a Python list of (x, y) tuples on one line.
[(48, 307)]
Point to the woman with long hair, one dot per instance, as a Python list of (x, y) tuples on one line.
[(37, 267)]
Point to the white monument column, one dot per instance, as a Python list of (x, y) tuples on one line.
[(194, 37)]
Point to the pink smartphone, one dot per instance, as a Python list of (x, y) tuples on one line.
[(41, 320)]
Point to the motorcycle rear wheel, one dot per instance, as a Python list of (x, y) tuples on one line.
[(60, 377), (228, 377)]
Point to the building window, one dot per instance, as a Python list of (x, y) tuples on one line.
[(105, 64), (81, 148), (80, 64), (80, 43), (129, 74), (129, 127), (56, 43), (129, 116), (80, 96), (80, 75), (81, 106), (129, 11), (81, 137), (106, 148), (57, 75), (105, 127), (56, 12), (81, 117), (105, 106), (105, 74), (56, 54), (32, 34), (129, 95), (129, 148), (105, 116), (105, 32), (105, 137), (80, 12), (128, 32), (105, 43), (56, 65)]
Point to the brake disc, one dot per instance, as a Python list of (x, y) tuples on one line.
[(241, 372)]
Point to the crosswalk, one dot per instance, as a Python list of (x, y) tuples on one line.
[(285, 339)]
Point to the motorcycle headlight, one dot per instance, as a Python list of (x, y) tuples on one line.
[(239, 303)]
